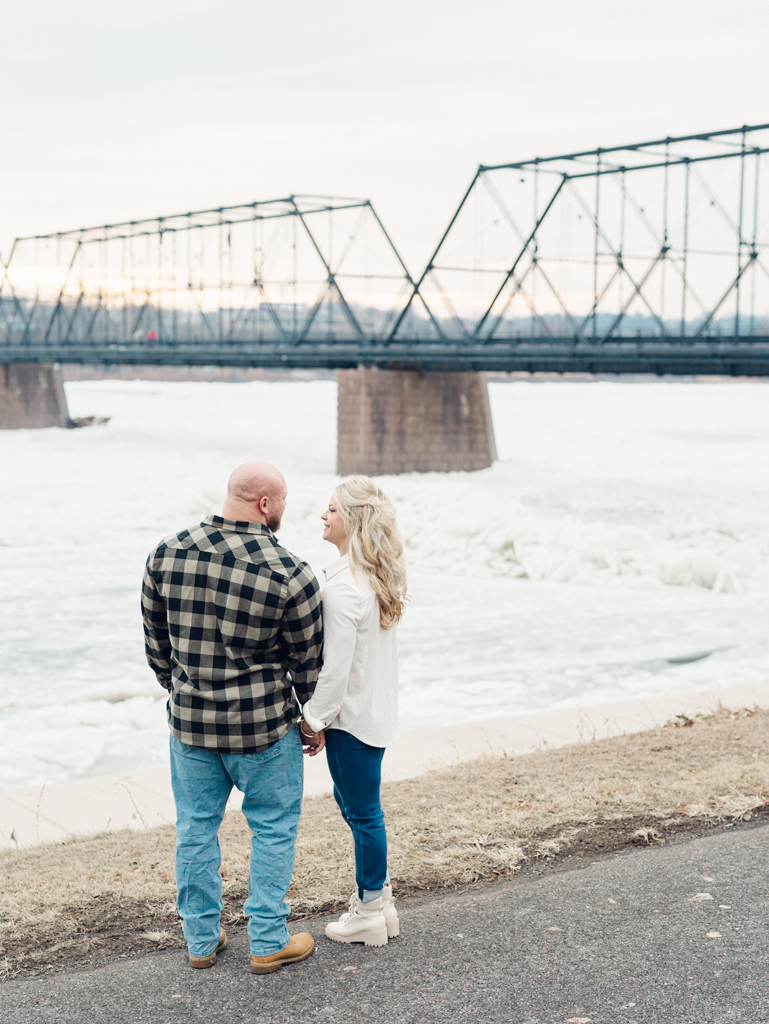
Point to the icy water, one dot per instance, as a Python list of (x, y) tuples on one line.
[(620, 546)]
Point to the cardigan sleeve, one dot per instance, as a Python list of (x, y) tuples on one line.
[(342, 611)]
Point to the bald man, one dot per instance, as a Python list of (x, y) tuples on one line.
[(256, 486), (233, 632)]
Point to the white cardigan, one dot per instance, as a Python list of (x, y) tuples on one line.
[(357, 688)]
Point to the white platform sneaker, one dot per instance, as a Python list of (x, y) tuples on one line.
[(390, 913), (363, 922)]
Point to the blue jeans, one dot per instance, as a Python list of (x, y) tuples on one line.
[(356, 769), (271, 782)]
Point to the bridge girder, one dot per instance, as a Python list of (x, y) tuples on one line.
[(674, 356)]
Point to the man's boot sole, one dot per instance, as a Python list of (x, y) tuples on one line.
[(377, 937), (276, 966), (202, 963)]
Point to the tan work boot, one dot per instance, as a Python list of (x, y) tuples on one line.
[(390, 913), (201, 962), (364, 922), (299, 948)]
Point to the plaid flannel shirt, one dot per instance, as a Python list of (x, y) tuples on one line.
[(232, 621)]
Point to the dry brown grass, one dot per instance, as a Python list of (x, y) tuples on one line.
[(479, 820)]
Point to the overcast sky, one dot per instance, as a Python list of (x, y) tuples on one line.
[(118, 110)]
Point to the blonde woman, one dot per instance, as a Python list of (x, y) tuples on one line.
[(356, 699)]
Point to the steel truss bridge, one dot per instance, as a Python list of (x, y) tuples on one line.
[(649, 257)]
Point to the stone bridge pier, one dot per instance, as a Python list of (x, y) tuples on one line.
[(402, 421), (32, 395)]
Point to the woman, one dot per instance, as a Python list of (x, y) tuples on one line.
[(356, 699)]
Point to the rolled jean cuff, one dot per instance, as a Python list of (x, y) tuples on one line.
[(373, 894)]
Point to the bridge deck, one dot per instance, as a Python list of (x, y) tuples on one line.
[(722, 356)]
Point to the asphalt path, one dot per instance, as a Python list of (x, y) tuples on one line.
[(677, 934)]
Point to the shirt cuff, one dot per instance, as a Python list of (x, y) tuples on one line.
[(314, 723)]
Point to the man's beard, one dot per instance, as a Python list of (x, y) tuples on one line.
[(273, 522)]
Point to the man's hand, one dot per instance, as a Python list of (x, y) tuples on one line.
[(312, 743)]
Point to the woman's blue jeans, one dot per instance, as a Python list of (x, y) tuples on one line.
[(356, 769), (271, 783)]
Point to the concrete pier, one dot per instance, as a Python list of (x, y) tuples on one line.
[(32, 395), (402, 421)]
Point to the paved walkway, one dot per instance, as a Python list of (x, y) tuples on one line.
[(143, 798), (678, 934)]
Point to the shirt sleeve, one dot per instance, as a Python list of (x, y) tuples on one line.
[(157, 644), (302, 632), (342, 610)]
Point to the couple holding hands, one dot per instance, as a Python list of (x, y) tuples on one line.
[(258, 665)]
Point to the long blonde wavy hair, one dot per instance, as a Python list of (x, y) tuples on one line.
[(374, 543)]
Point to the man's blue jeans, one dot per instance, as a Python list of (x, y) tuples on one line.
[(356, 769), (271, 783)]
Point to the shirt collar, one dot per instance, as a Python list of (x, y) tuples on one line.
[(237, 526), (336, 567)]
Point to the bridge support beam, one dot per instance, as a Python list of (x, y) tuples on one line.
[(32, 395), (402, 421)]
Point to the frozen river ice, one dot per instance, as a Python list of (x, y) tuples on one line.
[(620, 546)]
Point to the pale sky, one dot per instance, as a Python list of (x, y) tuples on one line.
[(120, 110)]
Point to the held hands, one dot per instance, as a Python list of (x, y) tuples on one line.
[(312, 742)]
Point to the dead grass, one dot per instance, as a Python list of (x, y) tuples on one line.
[(481, 820)]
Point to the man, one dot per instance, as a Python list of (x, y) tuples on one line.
[(232, 623)]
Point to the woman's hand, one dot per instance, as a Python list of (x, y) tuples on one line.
[(312, 742)]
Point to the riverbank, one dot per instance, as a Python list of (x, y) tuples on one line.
[(476, 822), (143, 799)]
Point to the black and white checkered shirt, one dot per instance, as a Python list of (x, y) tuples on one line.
[(232, 621)]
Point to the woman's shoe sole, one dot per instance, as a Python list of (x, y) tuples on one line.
[(374, 938), (393, 930)]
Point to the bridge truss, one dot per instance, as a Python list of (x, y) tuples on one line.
[(650, 257), (279, 282)]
